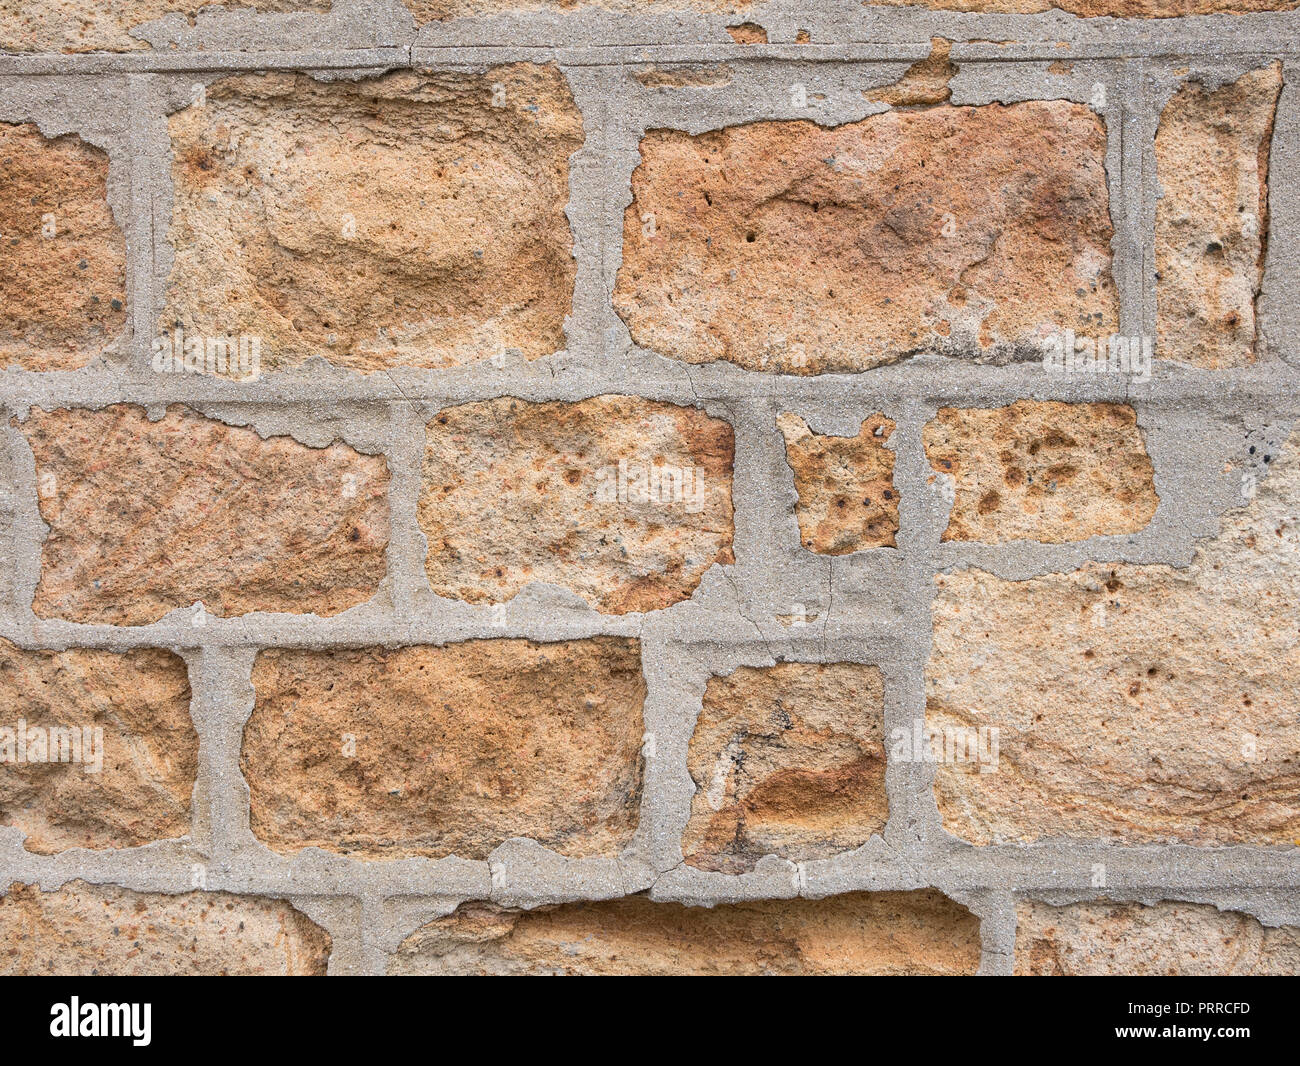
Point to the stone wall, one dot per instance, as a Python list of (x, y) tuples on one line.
[(630, 487)]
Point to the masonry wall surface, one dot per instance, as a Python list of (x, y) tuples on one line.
[(477, 189)]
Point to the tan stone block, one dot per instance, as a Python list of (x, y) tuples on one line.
[(415, 219), (847, 500), (1050, 472), (149, 516), (1212, 150), (886, 933), (1167, 939), (63, 287), (627, 502), (787, 760), (430, 751), (791, 247), (120, 770), (85, 930)]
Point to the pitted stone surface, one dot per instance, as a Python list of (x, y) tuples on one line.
[(889, 933), (429, 751), (626, 502), (787, 760), (96, 747), (1141, 704), (149, 516), (847, 500), (1168, 939), (86, 930), (63, 287), (785, 246), (1050, 472), (415, 219), (1212, 152)]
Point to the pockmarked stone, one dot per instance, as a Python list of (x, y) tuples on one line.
[(424, 751), (1139, 704), (978, 232), (887, 933), (1106, 938), (83, 930), (63, 287), (1049, 472), (624, 501), (1212, 152), (787, 760), (416, 219), (97, 749), (847, 500), (147, 516), (107, 25)]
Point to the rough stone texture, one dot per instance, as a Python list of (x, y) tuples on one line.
[(1212, 151), (516, 492), (149, 516), (925, 83), (1050, 472), (1174, 939), (787, 246), (402, 220), (888, 933), (1100, 8), (85, 930), (748, 33), (147, 758), (63, 287), (457, 748), (1136, 703), (104, 25), (847, 500), (684, 77), (787, 760)]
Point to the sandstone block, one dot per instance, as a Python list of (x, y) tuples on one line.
[(105, 25), (63, 289), (415, 219), (787, 760), (1167, 939), (886, 933), (428, 751), (148, 516), (1212, 150), (1142, 704), (97, 749), (786, 246), (626, 502), (1050, 472), (87, 930), (847, 500)]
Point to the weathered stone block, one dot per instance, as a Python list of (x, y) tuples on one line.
[(430, 751), (1050, 472), (787, 760), (148, 516), (626, 502), (787, 246), (888, 933), (415, 219)]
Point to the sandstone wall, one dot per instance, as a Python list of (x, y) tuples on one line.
[(520, 486)]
